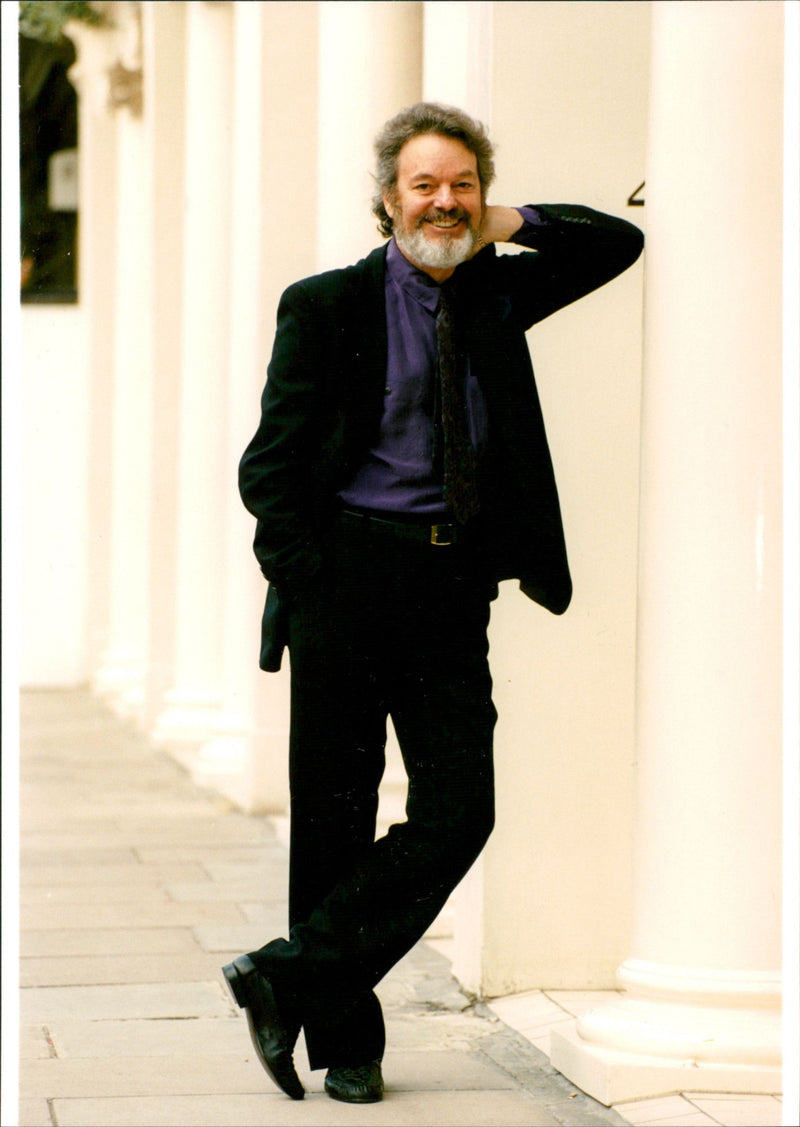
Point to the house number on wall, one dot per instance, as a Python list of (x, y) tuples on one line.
[(632, 198)]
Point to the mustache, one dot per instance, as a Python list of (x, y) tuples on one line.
[(436, 214)]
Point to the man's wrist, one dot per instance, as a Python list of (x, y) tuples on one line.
[(500, 224)]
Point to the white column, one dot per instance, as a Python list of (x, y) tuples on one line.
[(547, 904), (225, 758), (370, 67), (121, 673), (97, 180), (164, 36), (701, 1008), (457, 67), (246, 756), (192, 704)]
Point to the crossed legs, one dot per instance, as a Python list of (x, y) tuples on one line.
[(396, 630)]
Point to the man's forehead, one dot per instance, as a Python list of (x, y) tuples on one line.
[(429, 153)]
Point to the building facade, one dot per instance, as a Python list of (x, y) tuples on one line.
[(224, 150)]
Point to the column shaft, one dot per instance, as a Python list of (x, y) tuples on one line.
[(97, 153), (374, 48), (164, 38), (122, 669), (193, 702), (703, 978)]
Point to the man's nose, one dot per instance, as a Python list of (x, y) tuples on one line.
[(445, 200)]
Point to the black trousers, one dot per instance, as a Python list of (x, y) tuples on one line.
[(393, 627)]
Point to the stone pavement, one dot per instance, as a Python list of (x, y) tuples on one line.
[(135, 887)]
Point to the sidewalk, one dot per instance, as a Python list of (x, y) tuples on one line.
[(135, 887)]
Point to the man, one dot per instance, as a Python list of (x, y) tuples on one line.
[(400, 470)]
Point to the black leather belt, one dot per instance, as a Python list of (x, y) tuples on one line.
[(440, 535)]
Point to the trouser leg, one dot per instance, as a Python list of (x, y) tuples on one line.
[(404, 631), (336, 762)]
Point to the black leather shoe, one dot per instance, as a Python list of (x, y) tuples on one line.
[(272, 1039), (362, 1085)]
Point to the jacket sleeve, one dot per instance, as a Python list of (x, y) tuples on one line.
[(577, 250), (276, 472)]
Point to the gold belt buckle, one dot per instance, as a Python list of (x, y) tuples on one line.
[(438, 534)]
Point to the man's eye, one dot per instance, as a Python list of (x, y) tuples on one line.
[(422, 187)]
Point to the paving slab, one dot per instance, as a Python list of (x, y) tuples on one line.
[(436, 1109), (203, 1074), (98, 970), (271, 888), (153, 1037), (267, 878), (126, 807), (95, 855), (135, 873), (107, 941), (175, 1000), (46, 824), (240, 937), (34, 1043), (264, 852), (35, 1113), (263, 912), (443, 1070), (432, 1032), (739, 1111), (691, 1119), (662, 1107), (200, 832), (144, 913), (91, 894)]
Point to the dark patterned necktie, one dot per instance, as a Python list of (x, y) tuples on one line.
[(458, 454)]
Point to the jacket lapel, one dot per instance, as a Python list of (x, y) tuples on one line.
[(369, 344)]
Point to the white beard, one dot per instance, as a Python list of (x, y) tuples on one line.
[(443, 253)]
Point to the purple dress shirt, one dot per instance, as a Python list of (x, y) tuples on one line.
[(397, 476)]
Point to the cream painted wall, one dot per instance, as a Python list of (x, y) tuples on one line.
[(568, 115)]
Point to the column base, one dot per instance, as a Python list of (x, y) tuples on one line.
[(120, 682), (189, 720), (612, 1077), (223, 764), (636, 1048), (219, 751)]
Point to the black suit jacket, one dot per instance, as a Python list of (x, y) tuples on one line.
[(322, 403)]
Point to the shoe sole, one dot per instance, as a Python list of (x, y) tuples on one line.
[(236, 975)]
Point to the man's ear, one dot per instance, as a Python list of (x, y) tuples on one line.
[(388, 204)]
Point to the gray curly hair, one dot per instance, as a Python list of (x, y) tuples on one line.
[(425, 117)]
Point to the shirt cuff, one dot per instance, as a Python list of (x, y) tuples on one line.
[(532, 220)]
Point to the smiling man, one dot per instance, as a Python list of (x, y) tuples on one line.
[(399, 471)]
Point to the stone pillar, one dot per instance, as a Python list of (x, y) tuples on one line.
[(121, 673), (164, 48), (225, 759), (273, 161), (97, 182), (370, 67), (547, 904), (457, 61), (193, 702), (702, 981)]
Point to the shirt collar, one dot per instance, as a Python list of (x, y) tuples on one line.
[(416, 283)]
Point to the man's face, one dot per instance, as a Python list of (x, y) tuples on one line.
[(437, 204)]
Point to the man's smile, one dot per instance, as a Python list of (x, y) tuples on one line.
[(443, 223)]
